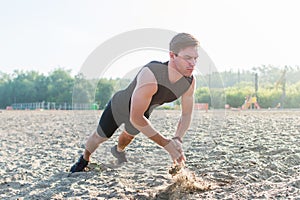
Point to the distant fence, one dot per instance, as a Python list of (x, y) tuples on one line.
[(201, 106), (52, 106)]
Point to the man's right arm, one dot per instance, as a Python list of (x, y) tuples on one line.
[(142, 95)]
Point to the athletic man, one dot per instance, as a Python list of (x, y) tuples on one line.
[(155, 84)]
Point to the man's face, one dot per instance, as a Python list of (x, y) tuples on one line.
[(186, 60)]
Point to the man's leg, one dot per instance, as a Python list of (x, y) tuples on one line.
[(92, 144), (124, 140), (106, 128), (118, 151)]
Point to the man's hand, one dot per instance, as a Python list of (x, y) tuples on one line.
[(178, 141), (174, 148)]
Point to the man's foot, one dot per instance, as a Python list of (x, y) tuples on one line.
[(121, 156), (79, 165)]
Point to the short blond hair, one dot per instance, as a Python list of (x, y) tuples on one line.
[(181, 41)]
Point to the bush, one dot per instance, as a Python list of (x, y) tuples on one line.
[(235, 97), (202, 95), (269, 98)]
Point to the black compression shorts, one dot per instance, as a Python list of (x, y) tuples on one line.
[(108, 125)]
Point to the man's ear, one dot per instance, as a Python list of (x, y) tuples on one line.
[(172, 54)]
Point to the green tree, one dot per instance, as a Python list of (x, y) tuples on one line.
[(60, 85), (83, 90), (5, 90), (105, 89), (24, 86)]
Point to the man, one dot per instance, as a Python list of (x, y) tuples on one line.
[(155, 84)]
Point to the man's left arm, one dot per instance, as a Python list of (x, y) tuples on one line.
[(187, 105)]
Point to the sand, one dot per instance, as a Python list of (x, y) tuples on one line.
[(232, 155)]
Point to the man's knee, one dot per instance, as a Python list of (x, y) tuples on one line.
[(128, 135), (106, 133)]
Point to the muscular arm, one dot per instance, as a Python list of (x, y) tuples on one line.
[(187, 104), (145, 88)]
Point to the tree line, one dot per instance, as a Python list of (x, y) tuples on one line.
[(59, 87), (275, 86)]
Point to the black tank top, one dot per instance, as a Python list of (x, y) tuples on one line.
[(166, 92)]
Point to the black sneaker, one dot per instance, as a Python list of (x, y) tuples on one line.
[(79, 165), (121, 156)]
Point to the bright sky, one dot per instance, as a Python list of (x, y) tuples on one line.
[(44, 35)]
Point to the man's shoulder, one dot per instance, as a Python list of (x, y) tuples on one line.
[(157, 63), (157, 66)]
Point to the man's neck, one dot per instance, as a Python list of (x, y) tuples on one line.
[(173, 73)]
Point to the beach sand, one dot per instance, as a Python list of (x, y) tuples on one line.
[(230, 155)]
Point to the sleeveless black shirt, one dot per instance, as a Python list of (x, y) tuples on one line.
[(166, 92)]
